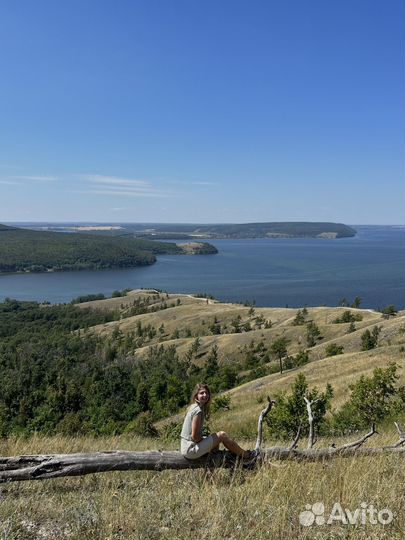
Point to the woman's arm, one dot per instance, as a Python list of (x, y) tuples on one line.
[(196, 428)]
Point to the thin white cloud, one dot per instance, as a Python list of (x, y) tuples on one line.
[(99, 184), (7, 182), (113, 180), (38, 178), (128, 192), (192, 183)]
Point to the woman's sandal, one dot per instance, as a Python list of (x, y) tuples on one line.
[(250, 460)]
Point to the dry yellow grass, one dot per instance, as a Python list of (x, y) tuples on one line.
[(196, 315), (340, 371), (221, 504)]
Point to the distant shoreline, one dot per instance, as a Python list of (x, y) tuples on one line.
[(193, 231)]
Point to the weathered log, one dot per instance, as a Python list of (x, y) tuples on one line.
[(41, 467)]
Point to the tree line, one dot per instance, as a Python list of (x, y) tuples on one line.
[(37, 251)]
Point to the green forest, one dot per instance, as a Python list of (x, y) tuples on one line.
[(293, 229), (23, 250), (57, 379)]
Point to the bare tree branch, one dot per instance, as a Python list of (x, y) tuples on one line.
[(262, 416), (311, 435), (357, 444), (297, 438), (401, 440), (401, 433)]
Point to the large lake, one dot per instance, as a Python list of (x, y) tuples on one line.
[(273, 272)]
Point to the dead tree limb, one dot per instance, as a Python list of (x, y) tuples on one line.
[(40, 467), (262, 416), (401, 433), (294, 444), (357, 444), (311, 435), (401, 440)]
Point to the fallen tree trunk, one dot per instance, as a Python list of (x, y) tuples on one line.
[(41, 467)]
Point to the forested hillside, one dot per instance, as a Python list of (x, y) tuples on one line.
[(288, 229), (36, 251), (125, 363)]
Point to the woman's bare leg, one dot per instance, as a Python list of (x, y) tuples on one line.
[(231, 445), (217, 442)]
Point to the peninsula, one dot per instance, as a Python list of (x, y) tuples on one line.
[(24, 250), (283, 229)]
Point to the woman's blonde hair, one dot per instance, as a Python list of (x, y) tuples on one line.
[(193, 400)]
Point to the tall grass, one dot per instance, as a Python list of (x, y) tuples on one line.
[(198, 504)]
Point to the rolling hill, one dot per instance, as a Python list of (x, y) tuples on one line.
[(186, 319)]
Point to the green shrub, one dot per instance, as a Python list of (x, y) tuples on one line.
[(369, 340), (290, 411), (313, 334), (171, 431), (87, 298), (299, 318), (348, 317), (117, 294), (333, 349), (372, 399), (389, 311), (143, 425), (222, 402), (301, 358)]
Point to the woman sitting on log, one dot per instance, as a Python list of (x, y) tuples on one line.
[(193, 443)]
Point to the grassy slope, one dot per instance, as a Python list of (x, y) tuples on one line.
[(197, 315), (219, 504)]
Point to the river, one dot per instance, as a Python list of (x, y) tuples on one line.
[(272, 272)]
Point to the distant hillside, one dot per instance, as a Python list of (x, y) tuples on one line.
[(248, 230), (177, 231), (23, 250), (240, 339)]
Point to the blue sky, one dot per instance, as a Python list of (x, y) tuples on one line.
[(214, 111)]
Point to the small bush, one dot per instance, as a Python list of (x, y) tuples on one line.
[(369, 340), (221, 403), (348, 317), (172, 431), (143, 425), (372, 399), (87, 298), (389, 311), (301, 358), (299, 318), (313, 334), (290, 411), (117, 294), (333, 349)]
